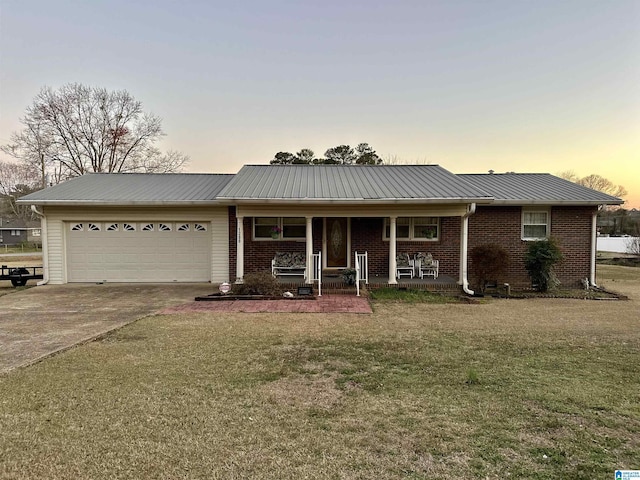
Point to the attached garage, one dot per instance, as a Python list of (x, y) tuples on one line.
[(135, 228), (146, 251)]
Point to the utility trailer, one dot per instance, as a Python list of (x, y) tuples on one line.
[(20, 275)]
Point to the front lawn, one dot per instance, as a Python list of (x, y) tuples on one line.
[(544, 388)]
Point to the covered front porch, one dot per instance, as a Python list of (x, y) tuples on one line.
[(336, 233)]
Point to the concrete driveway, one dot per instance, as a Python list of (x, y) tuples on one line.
[(39, 321)]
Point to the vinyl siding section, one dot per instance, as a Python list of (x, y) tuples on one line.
[(58, 217), (220, 246), (56, 251)]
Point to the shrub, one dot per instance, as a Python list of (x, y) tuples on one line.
[(259, 283), (349, 276), (489, 262), (539, 260)]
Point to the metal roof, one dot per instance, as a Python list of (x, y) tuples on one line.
[(133, 189), (349, 183), (317, 183), (536, 188)]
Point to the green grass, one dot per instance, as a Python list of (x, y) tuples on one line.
[(409, 296), (541, 389)]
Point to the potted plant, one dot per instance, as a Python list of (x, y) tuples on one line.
[(349, 276), (429, 232), (275, 232)]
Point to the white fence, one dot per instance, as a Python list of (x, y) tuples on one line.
[(615, 244)]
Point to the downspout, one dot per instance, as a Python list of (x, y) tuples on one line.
[(594, 247), (45, 248), (464, 244)]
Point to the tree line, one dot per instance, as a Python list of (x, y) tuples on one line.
[(363, 154)]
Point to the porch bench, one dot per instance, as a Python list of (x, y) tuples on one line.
[(287, 263)]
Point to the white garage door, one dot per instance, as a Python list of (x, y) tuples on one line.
[(138, 251)]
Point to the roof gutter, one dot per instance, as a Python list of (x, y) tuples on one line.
[(45, 247), (351, 201), (464, 249), (555, 202), (119, 203)]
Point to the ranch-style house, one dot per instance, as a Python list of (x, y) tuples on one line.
[(218, 227)]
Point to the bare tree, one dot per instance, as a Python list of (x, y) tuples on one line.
[(595, 182), (16, 180), (633, 245), (79, 129)]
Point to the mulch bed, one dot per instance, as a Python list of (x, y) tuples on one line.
[(323, 304), (220, 297)]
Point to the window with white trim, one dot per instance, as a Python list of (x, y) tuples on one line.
[(279, 228), (93, 227), (184, 227), (164, 227), (535, 224), (148, 227), (114, 227), (78, 227), (199, 227), (128, 227), (416, 229), (15, 233)]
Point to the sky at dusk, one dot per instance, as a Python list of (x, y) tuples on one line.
[(525, 86)]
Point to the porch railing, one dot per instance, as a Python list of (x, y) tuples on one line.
[(361, 268), (363, 260)]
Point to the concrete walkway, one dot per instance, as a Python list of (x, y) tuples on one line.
[(39, 321), (323, 304)]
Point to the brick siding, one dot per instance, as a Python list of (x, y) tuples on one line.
[(571, 226)]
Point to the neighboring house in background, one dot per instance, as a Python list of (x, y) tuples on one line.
[(211, 227), (15, 231)]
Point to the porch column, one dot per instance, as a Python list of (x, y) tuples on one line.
[(239, 249), (392, 251), (309, 237)]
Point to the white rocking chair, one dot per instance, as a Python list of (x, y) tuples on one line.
[(427, 266), (404, 265)]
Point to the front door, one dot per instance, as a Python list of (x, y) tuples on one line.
[(337, 242)]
